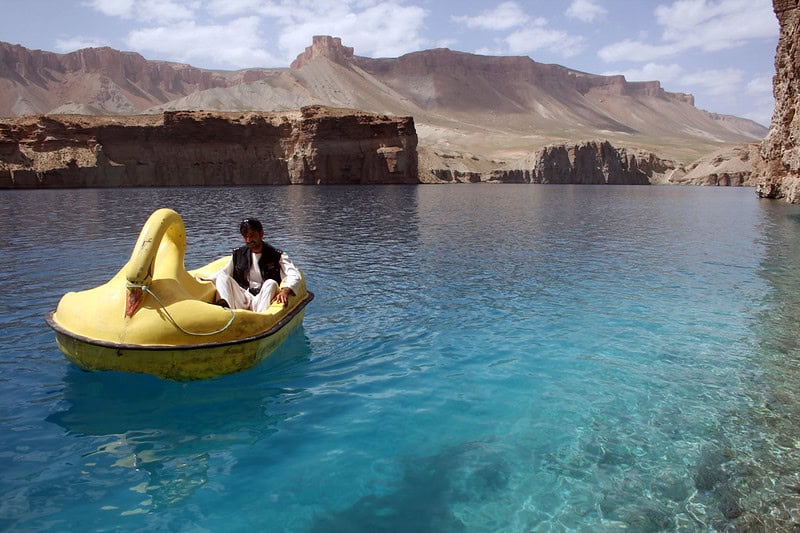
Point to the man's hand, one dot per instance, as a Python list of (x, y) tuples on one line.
[(282, 296)]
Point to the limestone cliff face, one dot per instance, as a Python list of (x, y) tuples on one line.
[(778, 175), (315, 145), (588, 163), (458, 81), (731, 166), (324, 46), (595, 162)]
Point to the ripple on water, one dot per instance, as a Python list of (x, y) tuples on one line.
[(476, 358)]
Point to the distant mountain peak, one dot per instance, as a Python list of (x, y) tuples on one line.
[(499, 106), (324, 46)]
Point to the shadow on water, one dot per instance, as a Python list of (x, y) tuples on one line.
[(168, 430), (428, 495), (756, 482)]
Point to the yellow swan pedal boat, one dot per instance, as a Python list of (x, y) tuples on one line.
[(156, 317)]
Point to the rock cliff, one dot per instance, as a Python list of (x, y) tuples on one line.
[(732, 166), (476, 116), (324, 46), (595, 162), (491, 106), (314, 145), (778, 175), (588, 163)]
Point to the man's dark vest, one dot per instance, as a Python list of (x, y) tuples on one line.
[(269, 265)]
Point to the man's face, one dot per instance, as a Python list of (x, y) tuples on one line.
[(253, 240)]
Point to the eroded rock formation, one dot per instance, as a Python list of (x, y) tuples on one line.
[(732, 166), (778, 176), (314, 145), (324, 46), (591, 162), (599, 162), (484, 105)]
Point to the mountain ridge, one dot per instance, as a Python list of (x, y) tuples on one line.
[(480, 108)]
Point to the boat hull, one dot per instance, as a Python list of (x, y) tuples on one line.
[(179, 363), (155, 317)]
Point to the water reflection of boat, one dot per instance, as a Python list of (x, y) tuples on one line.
[(155, 317), (173, 437)]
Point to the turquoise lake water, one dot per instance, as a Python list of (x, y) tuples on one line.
[(477, 358)]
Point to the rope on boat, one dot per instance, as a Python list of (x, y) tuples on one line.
[(146, 289)]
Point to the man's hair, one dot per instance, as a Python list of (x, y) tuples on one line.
[(250, 224)]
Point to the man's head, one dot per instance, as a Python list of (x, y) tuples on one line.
[(253, 234)]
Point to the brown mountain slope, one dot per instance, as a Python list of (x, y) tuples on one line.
[(485, 111), (113, 82), (491, 108)]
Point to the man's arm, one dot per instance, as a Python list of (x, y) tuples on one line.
[(290, 280)]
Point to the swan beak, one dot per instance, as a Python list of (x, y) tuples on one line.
[(133, 301)]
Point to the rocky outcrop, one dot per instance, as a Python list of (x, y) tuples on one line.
[(482, 107), (778, 176), (730, 166), (592, 162), (588, 163), (324, 46), (448, 175), (314, 145), (455, 94), (599, 162)]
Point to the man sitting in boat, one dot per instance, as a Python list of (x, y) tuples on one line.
[(257, 274)]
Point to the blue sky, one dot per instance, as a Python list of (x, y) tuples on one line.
[(721, 51)]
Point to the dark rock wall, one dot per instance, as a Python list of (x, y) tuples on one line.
[(593, 162), (313, 146), (778, 175)]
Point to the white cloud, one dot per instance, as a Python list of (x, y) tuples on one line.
[(188, 42), (529, 40), (232, 7), (636, 51), (760, 85), (76, 43), (384, 29), (699, 24), (287, 12), (148, 10), (715, 82), (650, 72), (178, 29), (535, 35), (114, 8), (503, 17), (710, 25), (585, 10)]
